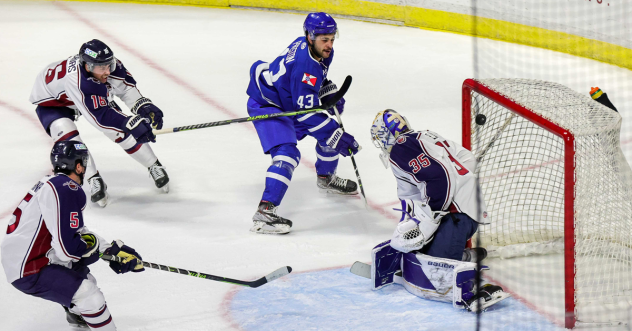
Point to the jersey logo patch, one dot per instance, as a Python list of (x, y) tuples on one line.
[(71, 185), (401, 139), (309, 79)]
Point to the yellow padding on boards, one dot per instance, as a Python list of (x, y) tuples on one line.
[(437, 20)]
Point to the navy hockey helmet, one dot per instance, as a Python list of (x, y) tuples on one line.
[(97, 53), (319, 23), (66, 153)]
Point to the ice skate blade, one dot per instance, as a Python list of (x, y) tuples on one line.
[(336, 192), (78, 327), (264, 228), (103, 202)]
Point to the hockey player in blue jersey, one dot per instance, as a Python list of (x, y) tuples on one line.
[(441, 210), (297, 80)]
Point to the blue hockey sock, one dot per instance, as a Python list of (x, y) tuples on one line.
[(285, 159), (327, 161)]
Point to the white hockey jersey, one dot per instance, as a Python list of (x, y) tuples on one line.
[(437, 172), (67, 84), (46, 228)]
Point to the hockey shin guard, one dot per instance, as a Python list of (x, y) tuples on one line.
[(285, 159), (327, 159)]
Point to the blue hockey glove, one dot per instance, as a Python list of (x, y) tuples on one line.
[(327, 91), (343, 143), (145, 108), (139, 127), (132, 261)]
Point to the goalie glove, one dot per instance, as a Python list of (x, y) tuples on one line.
[(132, 261), (417, 227), (327, 91)]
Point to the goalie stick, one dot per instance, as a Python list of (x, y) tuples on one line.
[(341, 92), (255, 283), (361, 269)]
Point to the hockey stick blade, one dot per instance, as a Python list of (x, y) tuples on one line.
[(361, 269), (283, 271)]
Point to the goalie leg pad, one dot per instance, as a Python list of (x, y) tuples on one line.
[(386, 262), (438, 279)]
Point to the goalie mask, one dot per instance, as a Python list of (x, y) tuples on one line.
[(387, 126)]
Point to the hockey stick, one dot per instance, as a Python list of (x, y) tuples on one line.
[(355, 166), (341, 92), (361, 269), (255, 283), (480, 155)]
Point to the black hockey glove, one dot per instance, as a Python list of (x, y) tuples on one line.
[(343, 142), (327, 91), (145, 108), (132, 261), (139, 127)]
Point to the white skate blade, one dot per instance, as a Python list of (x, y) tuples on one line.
[(336, 192), (361, 269), (165, 188), (265, 228), (103, 202), (498, 297)]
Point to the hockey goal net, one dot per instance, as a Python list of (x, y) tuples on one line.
[(558, 191)]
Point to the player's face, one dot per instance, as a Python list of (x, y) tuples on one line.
[(324, 44), (101, 72)]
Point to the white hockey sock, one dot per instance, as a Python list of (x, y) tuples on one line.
[(90, 303), (145, 156)]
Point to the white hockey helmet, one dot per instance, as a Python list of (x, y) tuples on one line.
[(387, 126)]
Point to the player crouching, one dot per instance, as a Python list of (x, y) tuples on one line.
[(440, 212), (85, 84), (47, 248)]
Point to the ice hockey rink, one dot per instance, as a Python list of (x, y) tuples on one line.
[(193, 63)]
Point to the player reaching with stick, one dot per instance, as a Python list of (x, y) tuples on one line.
[(47, 248), (297, 80), (85, 84)]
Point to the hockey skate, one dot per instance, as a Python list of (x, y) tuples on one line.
[(267, 221), (335, 185), (487, 296), (98, 190), (158, 173), (75, 321)]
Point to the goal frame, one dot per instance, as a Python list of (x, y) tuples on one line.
[(471, 85)]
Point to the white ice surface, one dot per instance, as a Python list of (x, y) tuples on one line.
[(193, 63)]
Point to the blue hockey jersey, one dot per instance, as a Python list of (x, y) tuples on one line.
[(292, 81)]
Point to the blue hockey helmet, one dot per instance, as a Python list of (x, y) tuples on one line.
[(66, 153), (97, 53), (319, 23), (387, 126)]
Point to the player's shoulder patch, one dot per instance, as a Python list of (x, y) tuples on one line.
[(71, 184), (401, 139), (309, 79)]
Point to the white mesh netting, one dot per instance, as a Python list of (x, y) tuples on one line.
[(522, 178)]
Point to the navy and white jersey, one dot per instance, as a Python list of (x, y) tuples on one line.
[(292, 81), (67, 84), (46, 228), (438, 172)]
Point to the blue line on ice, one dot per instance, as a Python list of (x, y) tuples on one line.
[(339, 300)]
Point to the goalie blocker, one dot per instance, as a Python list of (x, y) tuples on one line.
[(433, 278)]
